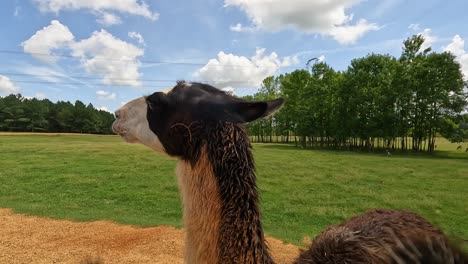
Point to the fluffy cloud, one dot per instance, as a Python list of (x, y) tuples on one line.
[(240, 28), (102, 53), (457, 48), (232, 71), (137, 36), (40, 96), (101, 48), (104, 108), (323, 17), (350, 34), (7, 86), (100, 8), (108, 19), (429, 38), (230, 90), (104, 95), (44, 41)]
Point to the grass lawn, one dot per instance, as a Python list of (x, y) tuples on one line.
[(82, 177)]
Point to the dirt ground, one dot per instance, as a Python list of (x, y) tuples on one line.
[(40, 133), (30, 239)]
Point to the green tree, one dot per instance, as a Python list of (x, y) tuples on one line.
[(32, 115)]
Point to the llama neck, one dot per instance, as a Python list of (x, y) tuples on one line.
[(202, 210), (221, 213)]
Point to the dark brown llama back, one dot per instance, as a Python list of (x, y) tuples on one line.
[(382, 236)]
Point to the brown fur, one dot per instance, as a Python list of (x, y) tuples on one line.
[(241, 234), (222, 151), (424, 249), (380, 236), (202, 210)]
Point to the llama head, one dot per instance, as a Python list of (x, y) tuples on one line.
[(162, 120)]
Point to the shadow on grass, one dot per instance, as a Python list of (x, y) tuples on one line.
[(396, 154)]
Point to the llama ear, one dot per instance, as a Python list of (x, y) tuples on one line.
[(248, 111), (156, 101)]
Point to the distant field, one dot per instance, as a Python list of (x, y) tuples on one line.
[(84, 177), (442, 144)]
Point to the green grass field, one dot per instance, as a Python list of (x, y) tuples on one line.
[(82, 177)]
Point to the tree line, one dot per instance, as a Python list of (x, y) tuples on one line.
[(20, 114), (378, 102)]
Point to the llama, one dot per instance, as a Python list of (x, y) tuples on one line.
[(202, 127), (459, 147)]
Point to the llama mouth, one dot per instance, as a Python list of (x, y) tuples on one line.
[(117, 129), (122, 134), (121, 131), (125, 135)]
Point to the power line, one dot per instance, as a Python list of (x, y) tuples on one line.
[(80, 77), (135, 60), (101, 84), (112, 79), (89, 84)]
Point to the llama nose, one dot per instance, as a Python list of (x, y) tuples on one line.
[(114, 127)]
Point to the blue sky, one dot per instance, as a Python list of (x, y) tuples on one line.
[(108, 52)]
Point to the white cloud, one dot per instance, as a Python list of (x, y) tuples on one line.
[(40, 96), (99, 7), (229, 70), (239, 28), (116, 59), (457, 48), (44, 41), (229, 90), (289, 61), (350, 34), (102, 53), (324, 17), (104, 108), (429, 38), (104, 95), (321, 58), (7, 86), (414, 27), (137, 36), (108, 19)]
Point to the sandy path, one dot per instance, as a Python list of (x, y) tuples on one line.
[(30, 239), (42, 134)]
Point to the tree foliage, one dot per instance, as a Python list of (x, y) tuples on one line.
[(19, 114), (379, 102)]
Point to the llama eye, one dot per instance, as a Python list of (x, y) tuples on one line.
[(153, 106)]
